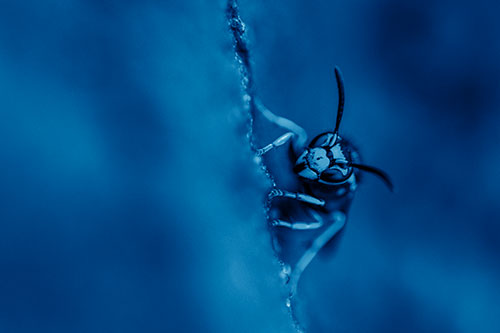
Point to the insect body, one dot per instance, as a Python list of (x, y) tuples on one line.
[(328, 170)]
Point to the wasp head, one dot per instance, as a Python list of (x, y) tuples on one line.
[(328, 159)]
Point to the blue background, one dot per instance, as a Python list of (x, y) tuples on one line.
[(130, 203)]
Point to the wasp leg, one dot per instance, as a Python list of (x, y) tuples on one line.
[(276, 143), (338, 223), (297, 225), (285, 123), (316, 224), (297, 196)]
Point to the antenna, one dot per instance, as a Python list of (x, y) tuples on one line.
[(340, 109), (381, 174)]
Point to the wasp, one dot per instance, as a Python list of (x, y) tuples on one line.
[(327, 169)]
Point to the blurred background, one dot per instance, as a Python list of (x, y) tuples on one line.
[(130, 202)]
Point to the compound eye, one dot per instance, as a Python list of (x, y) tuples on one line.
[(336, 174)]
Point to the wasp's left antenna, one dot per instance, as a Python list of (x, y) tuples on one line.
[(376, 171), (340, 109)]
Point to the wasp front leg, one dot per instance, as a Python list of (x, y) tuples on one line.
[(300, 135), (275, 193), (276, 143)]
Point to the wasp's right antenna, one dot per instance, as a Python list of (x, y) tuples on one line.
[(340, 110)]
